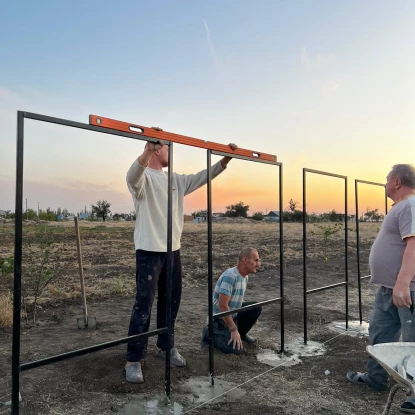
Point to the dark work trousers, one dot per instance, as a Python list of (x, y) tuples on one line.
[(151, 274), (221, 336)]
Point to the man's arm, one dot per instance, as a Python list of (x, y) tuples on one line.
[(223, 305), (193, 182), (401, 291), (224, 162), (135, 174)]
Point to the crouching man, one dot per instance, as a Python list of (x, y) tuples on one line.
[(231, 330)]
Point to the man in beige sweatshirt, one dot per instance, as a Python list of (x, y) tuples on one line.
[(148, 184)]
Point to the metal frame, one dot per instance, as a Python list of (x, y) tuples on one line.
[(359, 276), (346, 257), (107, 126), (210, 260), (17, 367)]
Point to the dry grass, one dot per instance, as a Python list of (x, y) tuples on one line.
[(6, 310), (109, 261)]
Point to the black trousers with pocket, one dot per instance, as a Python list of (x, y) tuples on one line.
[(151, 275)]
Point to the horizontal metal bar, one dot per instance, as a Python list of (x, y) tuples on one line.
[(327, 287), (69, 123), (372, 183), (236, 156), (248, 307), (324, 173), (140, 130), (87, 350), (365, 277)]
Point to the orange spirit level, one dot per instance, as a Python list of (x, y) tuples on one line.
[(154, 133)]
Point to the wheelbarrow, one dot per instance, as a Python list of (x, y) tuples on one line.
[(393, 357)]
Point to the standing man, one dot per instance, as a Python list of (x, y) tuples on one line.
[(392, 265), (148, 185), (231, 330)]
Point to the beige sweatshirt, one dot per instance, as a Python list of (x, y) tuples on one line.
[(149, 190)]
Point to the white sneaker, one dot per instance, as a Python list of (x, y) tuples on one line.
[(175, 357), (133, 373)]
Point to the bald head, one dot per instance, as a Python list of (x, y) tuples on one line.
[(246, 253)]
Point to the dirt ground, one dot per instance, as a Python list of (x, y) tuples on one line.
[(95, 384)]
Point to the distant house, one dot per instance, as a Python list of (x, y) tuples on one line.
[(217, 214), (272, 216), (3, 213), (84, 216), (200, 219), (187, 218)]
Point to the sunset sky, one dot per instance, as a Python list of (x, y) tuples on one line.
[(324, 85)]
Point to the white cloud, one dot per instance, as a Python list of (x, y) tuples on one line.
[(212, 49), (332, 85), (318, 62)]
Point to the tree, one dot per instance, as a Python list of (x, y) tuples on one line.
[(199, 213), (293, 214), (101, 209), (258, 216), (237, 210), (372, 215)]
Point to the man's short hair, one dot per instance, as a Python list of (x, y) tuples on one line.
[(406, 173), (246, 253)]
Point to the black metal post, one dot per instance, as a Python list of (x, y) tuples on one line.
[(346, 253), (304, 256), (169, 269), (386, 202), (282, 318), (359, 282), (210, 266), (18, 242)]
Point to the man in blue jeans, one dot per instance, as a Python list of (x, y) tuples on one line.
[(148, 184), (392, 265), (231, 330)]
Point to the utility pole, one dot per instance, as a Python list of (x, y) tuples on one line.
[(38, 211), (27, 213)]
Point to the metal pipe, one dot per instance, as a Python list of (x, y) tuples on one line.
[(282, 311), (366, 277), (80, 352), (237, 156), (372, 183), (17, 284), (324, 173), (210, 265), (169, 270), (83, 126), (346, 253), (359, 282), (327, 287), (247, 307), (304, 256)]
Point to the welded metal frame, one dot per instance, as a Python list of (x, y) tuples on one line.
[(359, 274), (212, 316), (17, 367), (345, 283), (117, 128)]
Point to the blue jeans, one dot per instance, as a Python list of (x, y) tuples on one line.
[(386, 325)]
